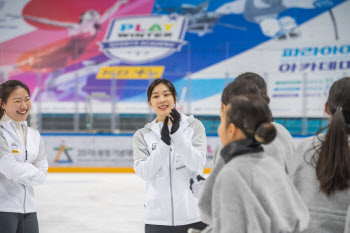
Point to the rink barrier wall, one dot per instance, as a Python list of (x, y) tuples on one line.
[(104, 153)]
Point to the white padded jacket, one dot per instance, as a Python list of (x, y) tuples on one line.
[(22, 165)]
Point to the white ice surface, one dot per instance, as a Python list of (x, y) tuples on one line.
[(90, 203)]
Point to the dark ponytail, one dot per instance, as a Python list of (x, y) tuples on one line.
[(6, 89), (251, 114), (332, 157)]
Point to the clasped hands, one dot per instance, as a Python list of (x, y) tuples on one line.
[(175, 118)]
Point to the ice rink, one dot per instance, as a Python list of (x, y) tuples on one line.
[(91, 203)]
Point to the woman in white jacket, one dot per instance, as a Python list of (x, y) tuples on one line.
[(23, 162), (168, 152)]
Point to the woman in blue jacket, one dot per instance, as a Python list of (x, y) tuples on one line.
[(168, 152)]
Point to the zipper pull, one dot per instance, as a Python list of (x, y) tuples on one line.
[(26, 155)]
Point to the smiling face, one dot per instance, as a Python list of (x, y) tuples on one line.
[(162, 101), (18, 104)]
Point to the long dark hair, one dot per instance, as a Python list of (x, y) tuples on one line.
[(6, 89), (251, 114), (164, 81), (332, 157)]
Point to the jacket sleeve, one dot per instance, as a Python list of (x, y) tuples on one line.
[(41, 167), (10, 167), (192, 151), (146, 164), (204, 201)]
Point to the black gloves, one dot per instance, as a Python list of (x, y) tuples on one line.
[(164, 133), (196, 185), (176, 117)]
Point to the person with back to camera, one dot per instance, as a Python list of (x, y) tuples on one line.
[(252, 192), (321, 170), (167, 153), (23, 162), (281, 148)]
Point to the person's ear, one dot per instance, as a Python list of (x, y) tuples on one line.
[(150, 104), (223, 107), (232, 130), (326, 108)]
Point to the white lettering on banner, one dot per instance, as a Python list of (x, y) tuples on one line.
[(326, 50), (143, 39)]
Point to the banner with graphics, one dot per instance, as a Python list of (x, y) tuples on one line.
[(65, 151), (100, 150), (110, 50)]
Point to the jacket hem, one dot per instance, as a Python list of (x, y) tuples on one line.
[(177, 223), (18, 211)]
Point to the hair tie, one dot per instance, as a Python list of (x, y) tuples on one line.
[(340, 109), (258, 139)]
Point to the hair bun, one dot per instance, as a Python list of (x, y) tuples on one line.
[(265, 133)]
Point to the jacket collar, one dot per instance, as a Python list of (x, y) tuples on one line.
[(240, 147), (9, 122)]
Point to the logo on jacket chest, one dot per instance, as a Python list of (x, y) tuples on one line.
[(14, 148), (154, 146)]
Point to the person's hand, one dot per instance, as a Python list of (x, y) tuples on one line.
[(196, 185), (175, 119), (164, 133)]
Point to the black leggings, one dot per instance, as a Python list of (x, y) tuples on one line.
[(18, 223), (173, 229)]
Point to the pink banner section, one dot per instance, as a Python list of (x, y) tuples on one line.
[(67, 32)]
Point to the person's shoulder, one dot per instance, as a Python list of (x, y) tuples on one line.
[(305, 150), (229, 171), (238, 170), (310, 141), (194, 122), (142, 131), (33, 130), (281, 130), (238, 165)]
